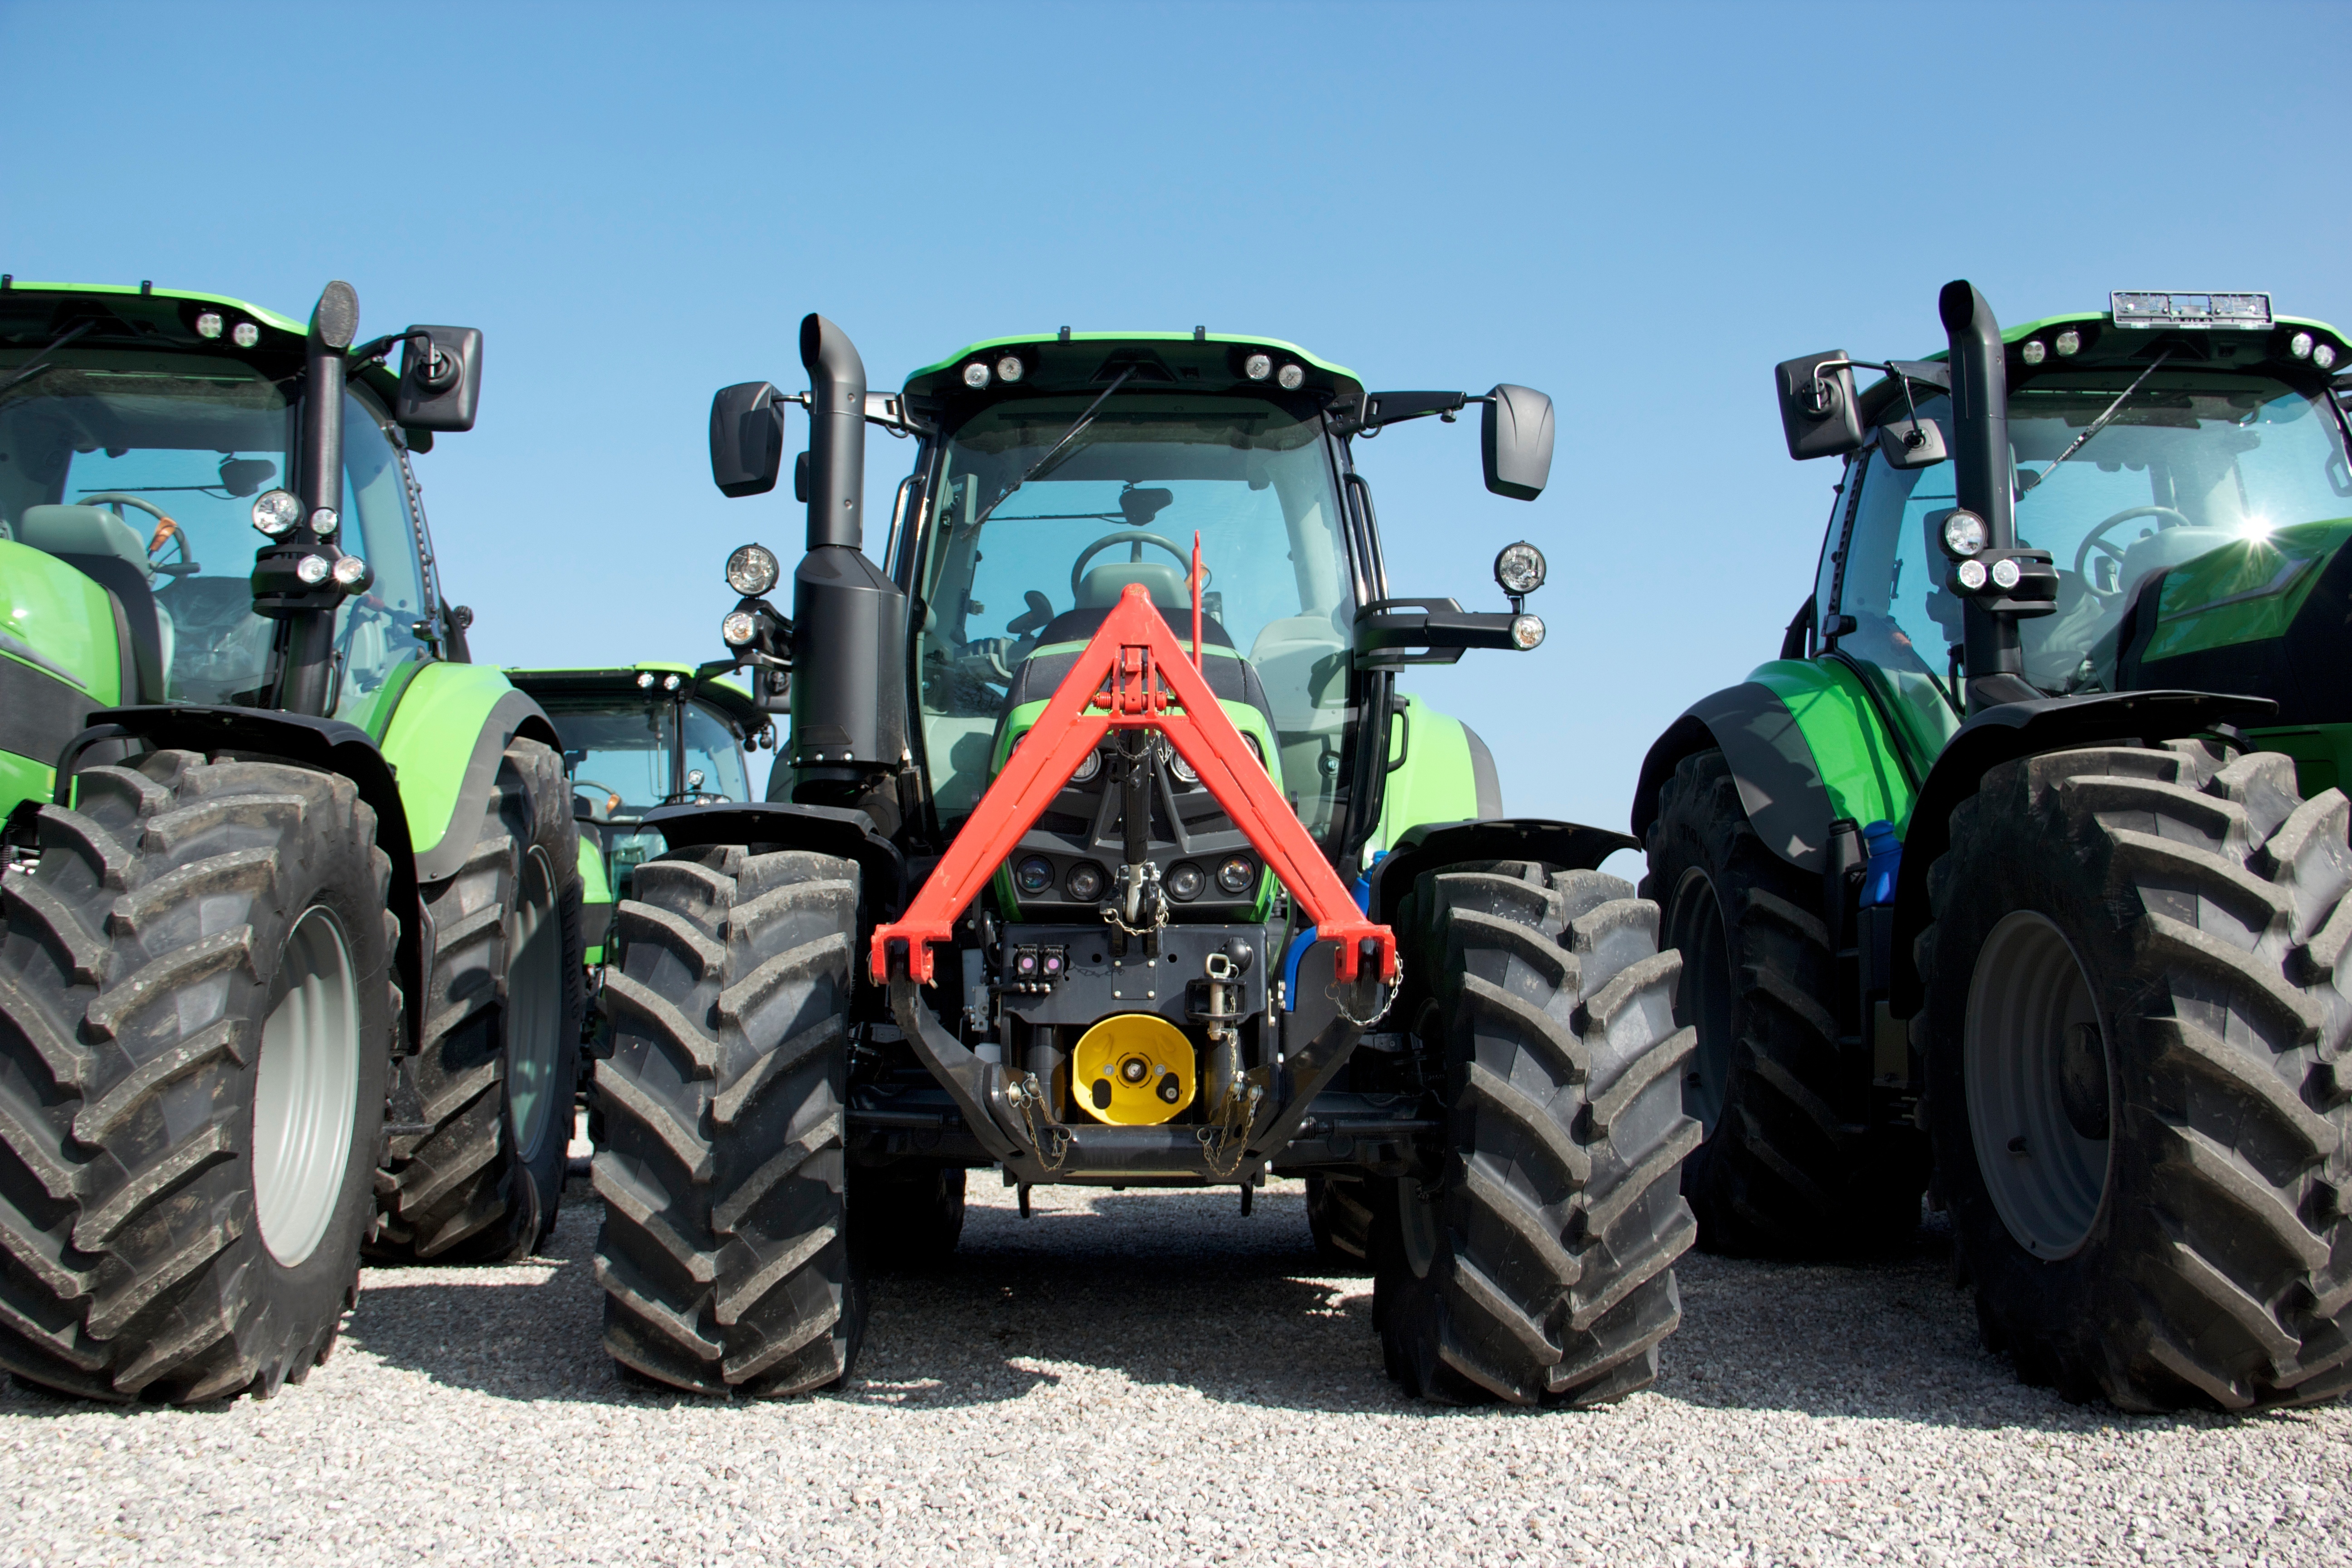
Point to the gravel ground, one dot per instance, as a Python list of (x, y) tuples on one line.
[(1149, 1378)]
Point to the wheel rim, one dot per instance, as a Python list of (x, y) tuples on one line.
[(1703, 999), (305, 1091), (534, 1011), (1417, 1226), (2030, 1005)]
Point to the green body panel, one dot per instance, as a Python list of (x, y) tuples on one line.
[(593, 888), (431, 738), (2242, 593), (1435, 783), (2322, 753), (1861, 763), (1247, 719), (57, 621)]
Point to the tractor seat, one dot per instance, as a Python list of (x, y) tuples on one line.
[(81, 530), (1099, 589)]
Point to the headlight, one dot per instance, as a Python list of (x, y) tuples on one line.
[(1185, 882), (1290, 377), (1009, 369), (245, 334), (1181, 768), (2031, 351), (353, 576), (313, 570), (751, 570), (738, 628), (1519, 569), (209, 324), (275, 512), (2299, 345), (1257, 367), (2068, 343), (975, 375), (1527, 632), (1085, 882), (2005, 574), (1033, 876), (1087, 769), (325, 521), (1964, 534), (1236, 874), (2324, 357), (1971, 574), (644, 680)]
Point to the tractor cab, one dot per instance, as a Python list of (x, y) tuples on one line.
[(2180, 458), (636, 738), (146, 435)]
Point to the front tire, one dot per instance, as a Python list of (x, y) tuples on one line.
[(197, 1010), (1539, 1269), (2133, 1019), (1784, 1169), (724, 1254), (478, 1171)]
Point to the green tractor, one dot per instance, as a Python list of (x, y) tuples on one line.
[(1099, 832), (291, 893), (2019, 876)]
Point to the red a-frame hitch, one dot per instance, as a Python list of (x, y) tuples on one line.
[(1133, 674)]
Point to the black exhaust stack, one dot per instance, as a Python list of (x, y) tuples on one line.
[(849, 729), (308, 669), (1980, 415)]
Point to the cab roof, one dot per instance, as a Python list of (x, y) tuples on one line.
[(1068, 363), (620, 683)]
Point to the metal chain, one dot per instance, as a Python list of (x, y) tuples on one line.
[(1396, 985)]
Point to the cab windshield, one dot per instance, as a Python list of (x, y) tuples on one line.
[(141, 468), (622, 754), (2240, 468), (1121, 505)]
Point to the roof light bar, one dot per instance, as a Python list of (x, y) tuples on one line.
[(2249, 312)]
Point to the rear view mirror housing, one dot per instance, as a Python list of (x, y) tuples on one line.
[(1908, 444), (440, 379), (1514, 441), (747, 438), (1818, 413)]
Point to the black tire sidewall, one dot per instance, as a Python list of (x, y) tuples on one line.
[(539, 1180)]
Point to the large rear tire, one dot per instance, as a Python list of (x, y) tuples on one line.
[(1539, 1268), (2135, 1015), (1783, 1169), (492, 1086), (197, 1010), (724, 1254)]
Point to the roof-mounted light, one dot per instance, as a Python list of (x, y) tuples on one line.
[(2068, 343), (2299, 345), (1010, 369), (1259, 366), (975, 375), (245, 334), (209, 324), (2032, 351), (1290, 377), (2199, 312), (2323, 357)]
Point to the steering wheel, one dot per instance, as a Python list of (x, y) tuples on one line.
[(611, 798), (1139, 537), (2097, 539), (166, 529)]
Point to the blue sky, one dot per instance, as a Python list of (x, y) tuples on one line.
[(1638, 209)]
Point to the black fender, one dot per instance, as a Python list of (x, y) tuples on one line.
[(835, 830), (1779, 783), (327, 745), (1429, 846), (2014, 730)]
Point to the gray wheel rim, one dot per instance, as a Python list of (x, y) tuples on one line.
[(534, 1011), (305, 1091), (1695, 926), (2046, 1179)]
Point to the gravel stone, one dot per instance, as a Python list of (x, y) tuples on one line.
[(1149, 1378)]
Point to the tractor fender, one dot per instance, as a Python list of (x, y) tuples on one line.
[(328, 746), (446, 738), (1428, 846), (840, 831), (1780, 782), (2013, 729)]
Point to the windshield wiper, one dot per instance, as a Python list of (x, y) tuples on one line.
[(2026, 487), (33, 366), (1055, 450)]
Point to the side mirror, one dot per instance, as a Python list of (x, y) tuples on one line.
[(1514, 441), (747, 438), (440, 379), (1818, 413), (1908, 445)]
